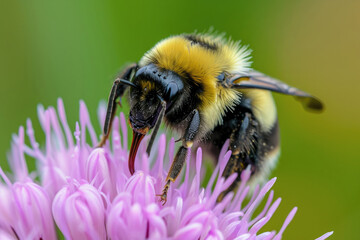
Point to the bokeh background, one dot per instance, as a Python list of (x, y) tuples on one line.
[(73, 49)]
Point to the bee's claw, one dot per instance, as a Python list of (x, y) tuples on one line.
[(163, 198)]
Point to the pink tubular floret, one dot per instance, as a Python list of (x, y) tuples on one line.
[(89, 193)]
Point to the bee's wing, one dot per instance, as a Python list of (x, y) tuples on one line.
[(258, 80)]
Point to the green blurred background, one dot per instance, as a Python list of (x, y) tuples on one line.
[(73, 49)]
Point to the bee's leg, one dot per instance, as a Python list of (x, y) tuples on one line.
[(243, 145), (117, 91), (179, 160)]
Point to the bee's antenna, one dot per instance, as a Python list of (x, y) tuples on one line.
[(126, 82), (157, 125)]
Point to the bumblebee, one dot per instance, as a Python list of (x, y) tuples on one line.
[(203, 87)]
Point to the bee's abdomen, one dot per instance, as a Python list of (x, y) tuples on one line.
[(250, 145)]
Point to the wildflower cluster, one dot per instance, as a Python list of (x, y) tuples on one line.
[(89, 193)]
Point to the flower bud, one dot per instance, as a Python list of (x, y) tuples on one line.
[(5, 210), (31, 212), (132, 220), (101, 171), (141, 187), (79, 211)]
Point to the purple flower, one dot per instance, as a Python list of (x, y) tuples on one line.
[(25, 210), (79, 211), (92, 194), (129, 219)]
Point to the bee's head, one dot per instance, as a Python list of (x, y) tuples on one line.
[(144, 107), (155, 92)]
